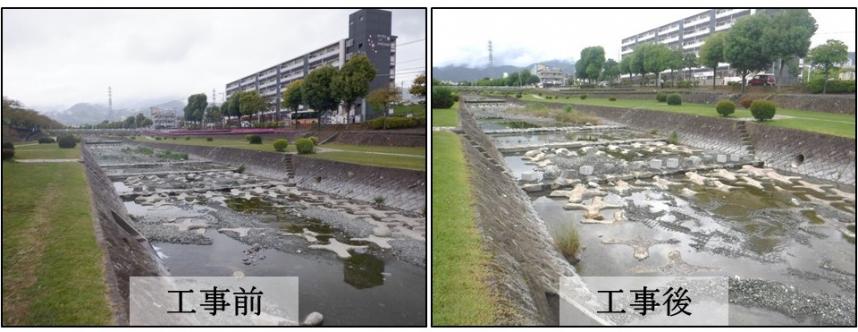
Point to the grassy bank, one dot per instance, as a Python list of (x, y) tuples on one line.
[(46, 151), (460, 295), (52, 265), (820, 122), (370, 155), (446, 117)]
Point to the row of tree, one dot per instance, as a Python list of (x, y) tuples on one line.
[(17, 115), (130, 122)]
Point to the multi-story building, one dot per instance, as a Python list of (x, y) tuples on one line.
[(369, 34), (549, 76), (688, 33), (163, 118)]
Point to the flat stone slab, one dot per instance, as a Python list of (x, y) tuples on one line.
[(576, 144)]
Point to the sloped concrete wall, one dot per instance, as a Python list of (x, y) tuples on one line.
[(127, 252)]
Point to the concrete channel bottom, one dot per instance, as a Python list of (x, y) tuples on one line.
[(357, 264), (644, 207)]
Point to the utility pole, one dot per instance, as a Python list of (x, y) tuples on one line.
[(491, 59)]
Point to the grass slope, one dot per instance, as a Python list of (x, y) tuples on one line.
[(446, 117)]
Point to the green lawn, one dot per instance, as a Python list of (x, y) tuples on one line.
[(821, 122), (52, 265), (460, 295), (46, 151), (418, 110), (371, 155), (446, 117)]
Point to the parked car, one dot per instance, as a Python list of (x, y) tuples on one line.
[(762, 80)]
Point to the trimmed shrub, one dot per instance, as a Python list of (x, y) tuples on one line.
[(254, 139), (187, 138), (8, 151), (674, 99), (66, 141), (583, 97), (314, 139), (834, 86), (209, 139), (660, 97), (725, 108), (746, 102), (46, 140), (673, 139), (304, 145), (442, 97), (763, 110), (174, 138), (280, 145), (612, 99), (393, 122)]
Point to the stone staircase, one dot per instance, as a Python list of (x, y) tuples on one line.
[(290, 167), (746, 139)]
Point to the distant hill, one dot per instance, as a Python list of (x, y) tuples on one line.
[(462, 73), (87, 113)]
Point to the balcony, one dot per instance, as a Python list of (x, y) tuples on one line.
[(696, 33), (691, 46), (325, 55), (669, 40), (730, 12)]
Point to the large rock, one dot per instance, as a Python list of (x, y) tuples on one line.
[(529, 177), (551, 172)]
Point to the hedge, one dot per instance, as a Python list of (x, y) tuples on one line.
[(834, 86), (66, 141), (674, 99)]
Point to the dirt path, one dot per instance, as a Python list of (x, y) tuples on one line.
[(35, 161)]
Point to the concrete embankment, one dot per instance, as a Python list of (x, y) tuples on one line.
[(400, 188), (817, 155), (127, 253), (526, 268)]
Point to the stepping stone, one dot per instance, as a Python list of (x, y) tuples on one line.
[(341, 249), (381, 242)]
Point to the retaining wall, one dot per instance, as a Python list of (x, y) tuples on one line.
[(127, 253), (386, 138), (400, 188), (825, 157)]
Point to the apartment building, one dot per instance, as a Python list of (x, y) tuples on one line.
[(549, 76), (369, 34), (163, 118)]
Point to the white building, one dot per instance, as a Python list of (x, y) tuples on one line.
[(549, 76), (163, 118)]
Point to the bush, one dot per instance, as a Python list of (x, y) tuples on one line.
[(746, 102), (834, 86), (567, 242), (568, 109), (378, 201), (674, 99), (518, 95), (314, 139), (209, 139), (174, 138), (254, 139), (393, 122), (187, 138), (304, 145), (8, 151), (240, 169), (46, 140), (66, 141), (583, 97), (660, 97), (673, 139), (612, 99), (763, 110), (442, 97), (725, 108), (280, 145), (157, 138)]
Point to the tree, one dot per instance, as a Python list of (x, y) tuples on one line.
[(214, 114), (196, 107), (626, 65), (674, 62), (589, 66), (636, 62), (743, 46), (418, 87), (293, 96), (689, 61), (788, 36), (825, 56), (656, 59), (612, 70), (382, 98), (712, 53), (318, 93), (251, 102), (352, 80)]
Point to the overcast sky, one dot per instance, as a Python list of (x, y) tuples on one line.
[(55, 58), (524, 36)]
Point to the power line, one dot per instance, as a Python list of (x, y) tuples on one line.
[(410, 42)]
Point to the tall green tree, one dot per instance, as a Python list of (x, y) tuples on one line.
[(674, 63), (689, 61), (293, 96), (251, 102), (318, 92), (418, 87), (590, 65), (195, 108), (214, 114), (656, 59), (636, 63), (788, 36), (712, 53), (231, 107), (743, 46), (352, 80), (626, 65), (826, 56), (612, 70)]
